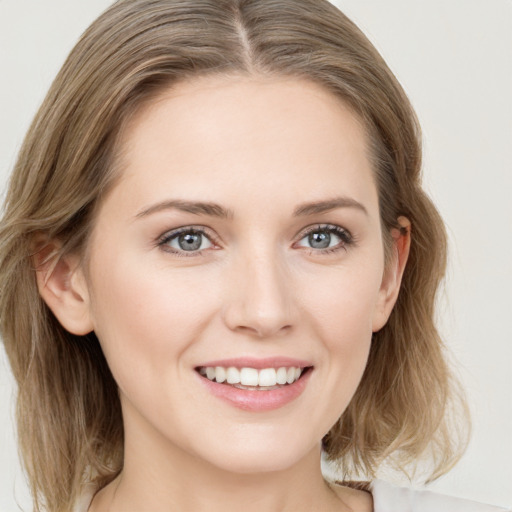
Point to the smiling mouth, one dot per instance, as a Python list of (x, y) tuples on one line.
[(265, 379)]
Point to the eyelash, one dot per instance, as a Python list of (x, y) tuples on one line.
[(345, 236), (347, 239), (167, 237)]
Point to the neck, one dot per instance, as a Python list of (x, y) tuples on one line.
[(196, 485), (160, 476)]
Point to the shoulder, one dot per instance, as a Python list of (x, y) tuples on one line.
[(388, 498)]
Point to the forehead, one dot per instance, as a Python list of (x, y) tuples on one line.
[(216, 137)]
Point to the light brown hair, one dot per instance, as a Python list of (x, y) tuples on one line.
[(68, 411)]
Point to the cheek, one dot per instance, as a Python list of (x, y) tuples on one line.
[(343, 301), (146, 317), (341, 308)]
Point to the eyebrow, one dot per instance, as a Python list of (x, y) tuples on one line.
[(195, 207), (216, 210), (327, 206)]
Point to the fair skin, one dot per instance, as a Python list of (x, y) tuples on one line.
[(287, 265)]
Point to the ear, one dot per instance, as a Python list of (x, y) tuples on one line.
[(62, 286), (393, 273)]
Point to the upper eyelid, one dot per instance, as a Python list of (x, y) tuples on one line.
[(317, 227), (171, 233)]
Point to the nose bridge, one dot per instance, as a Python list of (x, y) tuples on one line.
[(260, 301)]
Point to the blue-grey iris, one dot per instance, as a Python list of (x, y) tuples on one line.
[(319, 239), (190, 241)]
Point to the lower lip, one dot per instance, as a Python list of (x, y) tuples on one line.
[(257, 400)]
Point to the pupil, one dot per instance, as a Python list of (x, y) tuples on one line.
[(320, 239), (190, 241)]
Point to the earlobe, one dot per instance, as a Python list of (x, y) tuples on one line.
[(63, 287), (393, 273)]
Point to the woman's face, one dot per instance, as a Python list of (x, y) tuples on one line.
[(242, 241)]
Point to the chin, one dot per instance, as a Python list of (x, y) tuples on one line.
[(257, 455)]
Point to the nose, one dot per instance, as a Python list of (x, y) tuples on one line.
[(259, 300)]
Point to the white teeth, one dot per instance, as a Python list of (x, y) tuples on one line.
[(281, 375), (232, 375), (220, 374), (266, 377), (249, 377)]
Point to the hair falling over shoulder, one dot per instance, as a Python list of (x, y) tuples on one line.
[(68, 411)]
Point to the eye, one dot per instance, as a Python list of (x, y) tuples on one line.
[(326, 237), (185, 240)]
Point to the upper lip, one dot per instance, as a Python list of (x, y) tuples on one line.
[(258, 363)]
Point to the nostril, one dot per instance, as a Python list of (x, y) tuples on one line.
[(263, 329)]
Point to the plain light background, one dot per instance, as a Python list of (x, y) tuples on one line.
[(454, 59)]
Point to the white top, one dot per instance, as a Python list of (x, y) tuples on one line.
[(388, 498)]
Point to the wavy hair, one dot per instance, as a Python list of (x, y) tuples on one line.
[(68, 411)]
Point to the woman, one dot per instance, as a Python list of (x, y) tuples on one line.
[(216, 259)]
